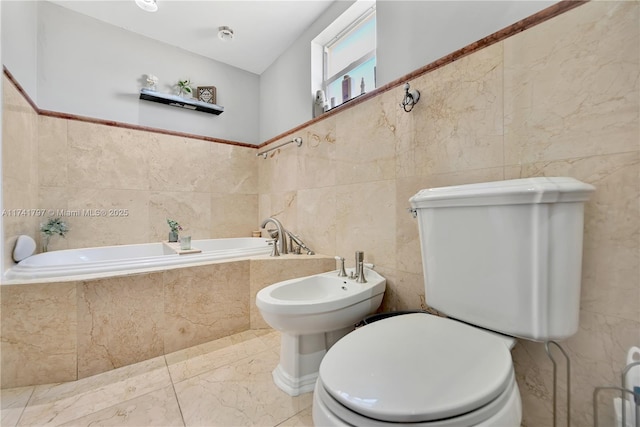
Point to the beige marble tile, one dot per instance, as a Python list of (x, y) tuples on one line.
[(120, 322), (178, 164), (270, 337), (233, 215), (122, 219), (365, 143), (199, 359), (13, 403), (280, 205), (281, 165), (301, 419), (268, 270), (234, 169), (405, 291), (38, 334), (205, 303), (365, 221), (61, 403), (19, 144), (571, 85), (192, 210), (458, 124), (241, 393), (107, 157), (611, 257), (597, 354), (12, 98), (53, 151), (158, 408), (316, 157), (317, 219)]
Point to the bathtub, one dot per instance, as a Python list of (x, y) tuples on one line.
[(73, 262)]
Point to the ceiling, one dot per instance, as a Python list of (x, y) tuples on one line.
[(263, 29)]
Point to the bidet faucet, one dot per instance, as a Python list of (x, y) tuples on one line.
[(360, 267), (342, 272), (281, 239)]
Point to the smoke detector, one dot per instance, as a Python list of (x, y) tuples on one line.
[(148, 5), (225, 33)]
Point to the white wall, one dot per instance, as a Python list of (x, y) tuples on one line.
[(412, 34), (89, 68), (286, 95), (18, 34)]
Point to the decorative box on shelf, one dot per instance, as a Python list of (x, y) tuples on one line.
[(177, 101)]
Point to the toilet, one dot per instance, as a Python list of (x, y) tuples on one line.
[(502, 260)]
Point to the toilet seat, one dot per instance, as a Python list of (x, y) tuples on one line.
[(417, 368)]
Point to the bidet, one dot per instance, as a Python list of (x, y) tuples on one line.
[(313, 313)]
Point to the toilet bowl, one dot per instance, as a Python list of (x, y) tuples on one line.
[(431, 371), (312, 313)]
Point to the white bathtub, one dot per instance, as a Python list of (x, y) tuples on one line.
[(73, 262)]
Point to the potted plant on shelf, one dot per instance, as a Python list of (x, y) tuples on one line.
[(53, 227), (175, 228), (184, 87)]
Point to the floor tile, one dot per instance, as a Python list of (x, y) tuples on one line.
[(226, 382), (239, 394), (13, 403), (199, 359), (301, 419), (158, 408), (60, 403)]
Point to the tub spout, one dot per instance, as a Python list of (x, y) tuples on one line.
[(281, 238)]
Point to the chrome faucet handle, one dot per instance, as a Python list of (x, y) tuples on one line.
[(342, 272), (274, 250)]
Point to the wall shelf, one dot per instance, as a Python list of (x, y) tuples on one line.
[(177, 101)]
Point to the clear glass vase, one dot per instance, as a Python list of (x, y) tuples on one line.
[(45, 242)]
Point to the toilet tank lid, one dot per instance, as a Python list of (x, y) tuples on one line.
[(514, 191)]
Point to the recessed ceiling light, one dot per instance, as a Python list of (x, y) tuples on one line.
[(225, 33), (148, 5)]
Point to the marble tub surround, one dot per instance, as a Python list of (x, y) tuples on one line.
[(64, 331), (558, 99), (220, 383)]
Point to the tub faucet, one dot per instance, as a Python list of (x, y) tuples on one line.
[(295, 240), (281, 239)]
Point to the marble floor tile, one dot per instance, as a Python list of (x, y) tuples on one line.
[(13, 403), (158, 408), (57, 404), (301, 419), (226, 382), (239, 394), (193, 361)]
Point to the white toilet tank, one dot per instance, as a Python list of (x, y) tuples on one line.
[(505, 255)]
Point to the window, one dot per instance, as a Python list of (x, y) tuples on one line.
[(349, 50)]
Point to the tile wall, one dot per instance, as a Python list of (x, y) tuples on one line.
[(58, 164), (561, 98)]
